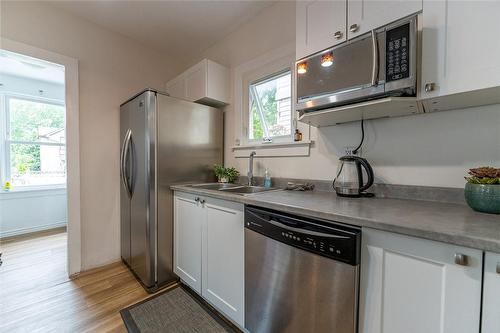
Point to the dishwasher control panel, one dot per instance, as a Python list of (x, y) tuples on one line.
[(326, 238)]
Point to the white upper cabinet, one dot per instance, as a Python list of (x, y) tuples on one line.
[(319, 25), (223, 258), (323, 24), (365, 15), (418, 286), (460, 51), (207, 83), (491, 294)]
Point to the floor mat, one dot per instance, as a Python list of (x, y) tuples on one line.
[(178, 310)]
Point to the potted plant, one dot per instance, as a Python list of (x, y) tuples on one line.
[(482, 191), (225, 175)]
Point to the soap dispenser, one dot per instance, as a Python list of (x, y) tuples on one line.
[(267, 179)]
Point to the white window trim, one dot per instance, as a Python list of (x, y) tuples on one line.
[(259, 74), (246, 109), (5, 141), (260, 67)]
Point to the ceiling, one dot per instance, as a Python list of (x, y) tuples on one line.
[(19, 65), (181, 28)]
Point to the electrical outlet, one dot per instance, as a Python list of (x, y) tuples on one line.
[(349, 150)]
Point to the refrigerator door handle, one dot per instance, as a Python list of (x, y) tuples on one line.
[(123, 160), (130, 149)]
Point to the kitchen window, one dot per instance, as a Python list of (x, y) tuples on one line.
[(35, 142), (270, 108), (265, 118)]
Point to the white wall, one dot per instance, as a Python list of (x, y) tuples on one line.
[(29, 211), (111, 69), (430, 150)]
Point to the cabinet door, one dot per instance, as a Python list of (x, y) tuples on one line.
[(177, 87), (223, 258), (460, 46), (491, 294), (188, 221), (414, 286), (365, 15), (196, 81), (319, 25)]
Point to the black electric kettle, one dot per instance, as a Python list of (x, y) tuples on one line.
[(349, 180)]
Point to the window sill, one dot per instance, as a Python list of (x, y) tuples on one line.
[(32, 191), (277, 149)]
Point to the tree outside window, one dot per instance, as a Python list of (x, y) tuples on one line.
[(36, 142)]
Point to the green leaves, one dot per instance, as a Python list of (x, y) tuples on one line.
[(231, 174), (484, 181)]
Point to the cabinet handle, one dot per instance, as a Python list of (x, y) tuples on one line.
[(202, 201), (429, 87), (338, 34), (498, 268), (354, 27), (461, 259), (197, 199)]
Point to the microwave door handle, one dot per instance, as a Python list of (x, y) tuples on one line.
[(375, 58)]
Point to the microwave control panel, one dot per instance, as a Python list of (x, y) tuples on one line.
[(397, 48)]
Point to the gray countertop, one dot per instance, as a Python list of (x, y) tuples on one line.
[(444, 222)]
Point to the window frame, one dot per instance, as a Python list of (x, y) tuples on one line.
[(261, 74), (6, 142), (279, 138)]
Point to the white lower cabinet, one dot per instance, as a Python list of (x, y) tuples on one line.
[(414, 285), (209, 251), (491, 294), (188, 221), (223, 260)]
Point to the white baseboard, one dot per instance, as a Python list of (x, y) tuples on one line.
[(21, 231)]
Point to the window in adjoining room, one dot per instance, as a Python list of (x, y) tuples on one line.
[(35, 145)]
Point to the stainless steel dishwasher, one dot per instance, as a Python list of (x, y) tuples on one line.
[(301, 274)]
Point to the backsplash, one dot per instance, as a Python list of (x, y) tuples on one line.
[(433, 149), (426, 193)]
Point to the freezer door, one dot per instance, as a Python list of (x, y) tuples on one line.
[(143, 217), (125, 173), (190, 142)]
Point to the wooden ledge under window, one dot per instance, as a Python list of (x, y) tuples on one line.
[(274, 149)]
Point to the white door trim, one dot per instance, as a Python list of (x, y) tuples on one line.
[(72, 143)]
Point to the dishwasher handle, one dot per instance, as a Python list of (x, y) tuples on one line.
[(304, 231), (295, 228)]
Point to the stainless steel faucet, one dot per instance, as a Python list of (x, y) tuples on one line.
[(250, 168)]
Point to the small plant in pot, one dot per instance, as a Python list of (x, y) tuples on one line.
[(225, 175), (482, 191)]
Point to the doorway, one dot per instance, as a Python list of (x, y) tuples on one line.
[(39, 151), (33, 199)]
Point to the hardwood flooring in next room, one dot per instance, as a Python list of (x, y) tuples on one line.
[(36, 294)]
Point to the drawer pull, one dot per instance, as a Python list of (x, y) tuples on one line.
[(429, 87), (354, 28), (461, 259), (197, 199), (338, 34)]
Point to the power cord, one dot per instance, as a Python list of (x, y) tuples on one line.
[(355, 151)]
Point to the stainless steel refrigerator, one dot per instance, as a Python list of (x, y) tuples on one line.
[(164, 141)]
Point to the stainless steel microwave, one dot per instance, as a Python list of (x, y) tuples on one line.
[(377, 64)]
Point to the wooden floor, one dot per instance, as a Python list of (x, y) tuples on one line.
[(36, 294)]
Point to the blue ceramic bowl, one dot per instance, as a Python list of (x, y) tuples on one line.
[(483, 198)]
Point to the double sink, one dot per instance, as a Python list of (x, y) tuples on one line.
[(234, 188)]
